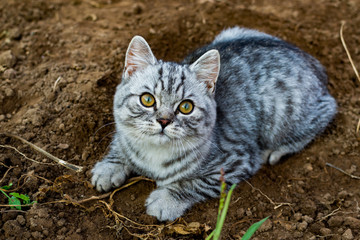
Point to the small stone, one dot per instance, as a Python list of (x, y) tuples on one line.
[(37, 235), (61, 222), (336, 151), (240, 212), (63, 146), (248, 212), (348, 234), (62, 126), (308, 208), (348, 204), (352, 169), (21, 220), (328, 197), (335, 221), (297, 216), (307, 219), (298, 234), (266, 226), (302, 226), (343, 194), (2, 117), (308, 167), (7, 59), (84, 155), (9, 92), (15, 33), (9, 73), (352, 222), (325, 231)]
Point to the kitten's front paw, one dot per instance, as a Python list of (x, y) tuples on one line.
[(164, 206), (108, 175)]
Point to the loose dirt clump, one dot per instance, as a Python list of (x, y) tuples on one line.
[(60, 62)]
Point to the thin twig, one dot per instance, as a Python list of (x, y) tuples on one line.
[(56, 82), (22, 154), (339, 169), (276, 205), (133, 181), (347, 51), (57, 160), (7, 171), (330, 214), (22, 205)]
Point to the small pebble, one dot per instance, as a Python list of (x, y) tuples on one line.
[(352, 222), (297, 216), (248, 212), (307, 219), (343, 194), (348, 234), (266, 226), (21, 220), (335, 221), (7, 59), (325, 231), (308, 167), (9, 92), (63, 146), (302, 226), (9, 73), (2, 117), (62, 126), (61, 222)]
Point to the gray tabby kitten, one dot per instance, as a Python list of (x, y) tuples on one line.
[(173, 126)]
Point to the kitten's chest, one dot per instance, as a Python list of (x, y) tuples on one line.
[(151, 160)]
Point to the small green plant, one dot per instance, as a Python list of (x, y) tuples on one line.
[(252, 229), (16, 200), (223, 208)]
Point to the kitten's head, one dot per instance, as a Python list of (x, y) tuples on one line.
[(163, 102)]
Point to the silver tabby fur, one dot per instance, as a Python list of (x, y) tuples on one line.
[(270, 100)]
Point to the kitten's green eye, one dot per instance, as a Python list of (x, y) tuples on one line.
[(186, 107), (147, 100)]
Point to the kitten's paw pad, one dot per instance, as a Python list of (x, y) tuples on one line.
[(162, 205), (108, 175)]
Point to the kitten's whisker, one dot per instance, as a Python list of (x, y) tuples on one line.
[(212, 144), (105, 137), (102, 127), (194, 148)]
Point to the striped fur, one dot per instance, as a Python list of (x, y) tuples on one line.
[(270, 100)]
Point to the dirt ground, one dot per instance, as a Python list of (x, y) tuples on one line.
[(60, 62)]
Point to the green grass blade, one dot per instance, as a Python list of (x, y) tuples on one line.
[(6, 187), (4, 193), (220, 224), (211, 235), (253, 229)]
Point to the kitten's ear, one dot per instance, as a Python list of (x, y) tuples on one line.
[(207, 68), (138, 56)]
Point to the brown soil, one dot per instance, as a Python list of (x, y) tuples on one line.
[(61, 61)]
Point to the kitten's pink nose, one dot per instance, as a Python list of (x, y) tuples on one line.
[(163, 122)]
